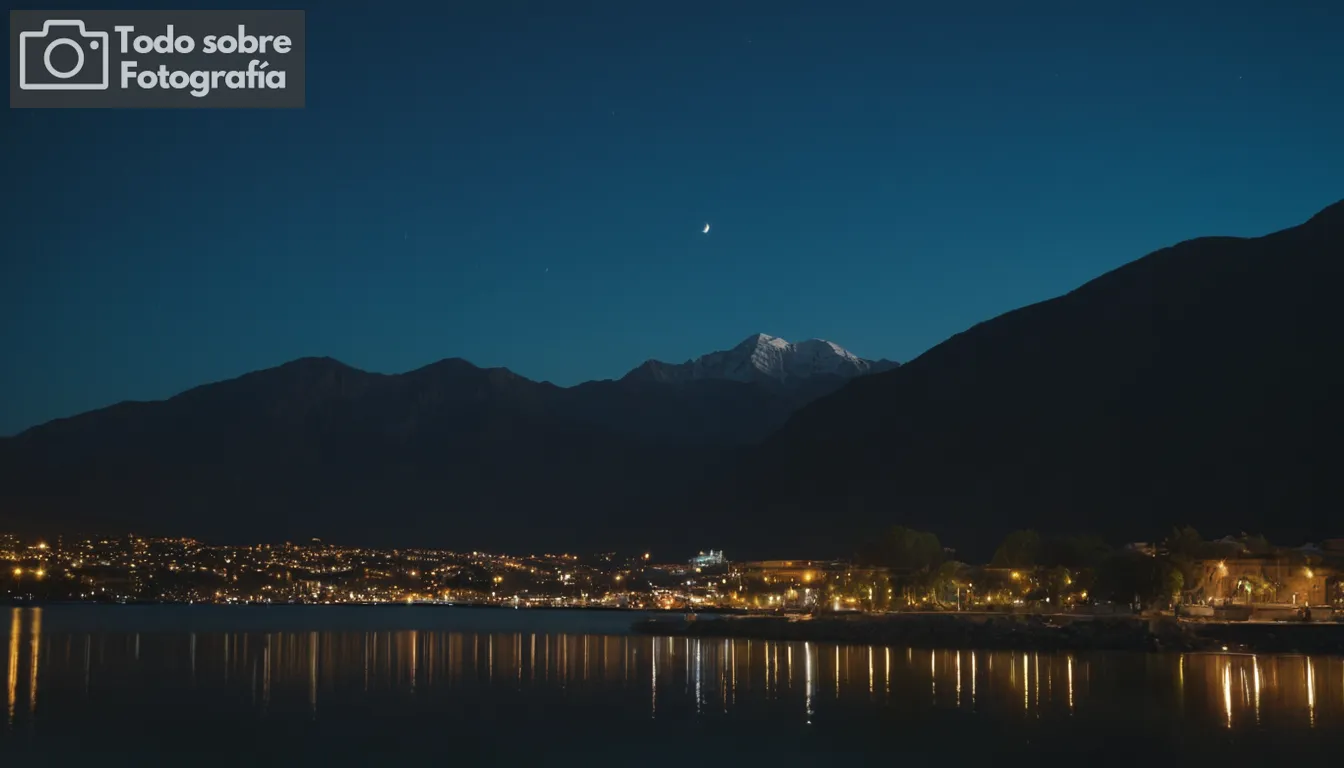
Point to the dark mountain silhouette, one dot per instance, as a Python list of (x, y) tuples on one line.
[(1200, 384), (1197, 385), (449, 454)]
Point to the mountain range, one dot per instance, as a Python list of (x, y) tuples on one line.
[(1196, 385), (449, 453)]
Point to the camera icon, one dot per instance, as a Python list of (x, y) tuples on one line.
[(39, 71)]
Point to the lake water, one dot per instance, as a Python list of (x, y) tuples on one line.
[(203, 685)]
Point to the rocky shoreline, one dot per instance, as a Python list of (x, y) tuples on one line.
[(1034, 633)]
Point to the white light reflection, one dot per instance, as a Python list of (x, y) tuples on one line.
[(732, 662), (972, 678), (933, 677), (870, 670), (887, 675), (837, 671), (958, 678), (1036, 662), (698, 670), (775, 684), (1227, 691), (807, 688)]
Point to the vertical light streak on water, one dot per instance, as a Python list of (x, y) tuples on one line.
[(808, 690), (653, 683), (1255, 661), (870, 671), (775, 683), (1311, 691), (933, 678), (15, 632), (1180, 681), (972, 678), (1070, 683), (34, 658), (732, 654), (723, 675), (958, 673), (415, 659), (837, 672), (312, 674), (887, 674), (1026, 686), (697, 661)]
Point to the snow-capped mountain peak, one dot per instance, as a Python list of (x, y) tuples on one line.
[(763, 357)]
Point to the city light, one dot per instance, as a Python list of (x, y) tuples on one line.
[(188, 571)]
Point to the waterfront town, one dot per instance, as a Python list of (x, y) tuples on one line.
[(901, 570)]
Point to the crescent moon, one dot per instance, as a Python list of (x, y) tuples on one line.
[(706, 229)]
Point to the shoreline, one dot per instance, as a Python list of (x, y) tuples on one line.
[(1022, 633), (388, 604)]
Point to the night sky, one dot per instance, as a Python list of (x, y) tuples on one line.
[(525, 184)]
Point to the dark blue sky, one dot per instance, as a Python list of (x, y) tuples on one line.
[(523, 184)]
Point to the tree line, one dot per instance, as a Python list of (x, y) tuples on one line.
[(1049, 568)]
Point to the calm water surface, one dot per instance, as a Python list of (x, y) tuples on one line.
[(122, 685)]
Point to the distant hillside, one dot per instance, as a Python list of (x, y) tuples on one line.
[(449, 454), (1200, 384)]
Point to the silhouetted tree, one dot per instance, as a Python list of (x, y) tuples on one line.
[(1022, 549), (1126, 576), (903, 549), (1074, 552), (1185, 542)]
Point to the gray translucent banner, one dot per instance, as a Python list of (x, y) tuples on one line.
[(156, 59)]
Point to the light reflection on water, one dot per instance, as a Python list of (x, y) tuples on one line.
[(66, 674)]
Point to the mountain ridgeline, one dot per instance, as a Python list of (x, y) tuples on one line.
[(1197, 385), (446, 455)]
